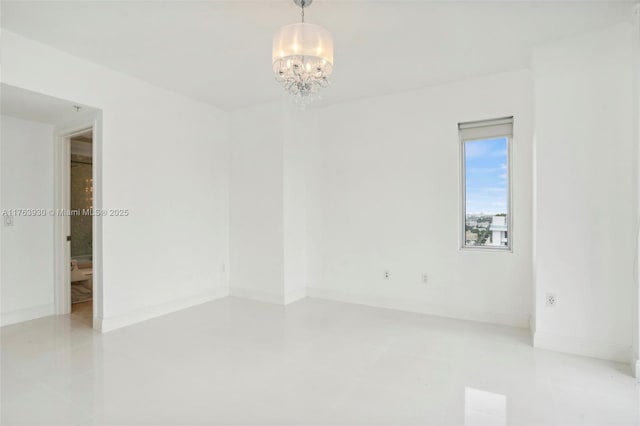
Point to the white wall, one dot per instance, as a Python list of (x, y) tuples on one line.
[(585, 200), (256, 203), (165, 158), (635, 362), (268, 203), (26, 282), (329, 199), (387, 197), (296, 173)]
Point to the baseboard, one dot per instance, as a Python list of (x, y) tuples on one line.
[(295, 295), (260, 296), (27, 314), (129, 318), (97, 324), (577, 346), (263, 296), (635, 363), (420, 307)]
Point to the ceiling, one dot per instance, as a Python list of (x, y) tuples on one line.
[(81, 144), (85, 137), (32, 106), (220, 51)]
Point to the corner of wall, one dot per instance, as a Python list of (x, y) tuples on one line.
[(149, 312), (560, 115), (295, 295), (584, 347), (257, 295)]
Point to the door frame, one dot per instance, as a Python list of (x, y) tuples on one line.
[(61, 202)]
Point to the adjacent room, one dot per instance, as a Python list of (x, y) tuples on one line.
[(319, 212), (80, 226)]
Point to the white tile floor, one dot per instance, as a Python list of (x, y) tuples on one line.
[(235, 361)]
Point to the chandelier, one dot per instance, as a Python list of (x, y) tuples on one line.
[(302, 58)]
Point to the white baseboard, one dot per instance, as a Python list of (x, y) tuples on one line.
[(27, 314), (262, 296), (97, 324), (118, 321), (532, 326), (635, 368), (418, 306), (635, 363), (574, 345), (295, 295)]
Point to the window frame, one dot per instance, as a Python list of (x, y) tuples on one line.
[(463, 190)]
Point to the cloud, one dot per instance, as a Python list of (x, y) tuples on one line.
[(482, 170), (487, 200), (476, 149), (493, 189)]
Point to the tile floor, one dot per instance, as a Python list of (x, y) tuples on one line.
[(83, 312), (235, 361)]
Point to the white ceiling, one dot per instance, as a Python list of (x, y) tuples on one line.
[(20, 103), (220, 51)]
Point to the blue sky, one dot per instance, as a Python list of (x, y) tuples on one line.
[(486, 176)]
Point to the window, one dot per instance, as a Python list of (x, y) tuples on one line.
[(486, 183)]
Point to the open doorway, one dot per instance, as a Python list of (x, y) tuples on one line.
[(77, 228), (81, 226)]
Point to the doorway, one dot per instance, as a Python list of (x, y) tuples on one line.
[(81, 226), (77, 228), (36, 169)]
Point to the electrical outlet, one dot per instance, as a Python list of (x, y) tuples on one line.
[(425, 278), (386, 275), (551, 300)]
